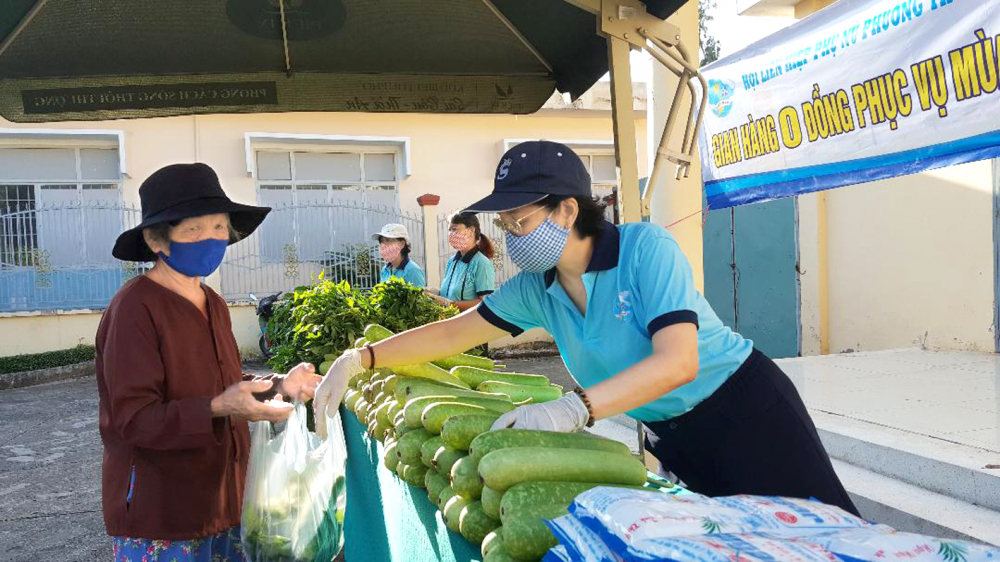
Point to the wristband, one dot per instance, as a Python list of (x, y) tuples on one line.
[(371, 354), (586, 402)]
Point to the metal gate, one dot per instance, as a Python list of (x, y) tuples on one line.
[(298, 242), (59, 256), (751, 273)]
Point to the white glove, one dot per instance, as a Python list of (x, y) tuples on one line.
[(565, 415), (331, 390)]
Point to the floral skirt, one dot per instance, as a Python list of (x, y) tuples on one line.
[(222, 547)]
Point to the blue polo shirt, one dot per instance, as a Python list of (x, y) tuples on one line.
[(468, 277), (637, 282), (408, 271)]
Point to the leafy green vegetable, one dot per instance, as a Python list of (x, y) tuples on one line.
[(326, 318)]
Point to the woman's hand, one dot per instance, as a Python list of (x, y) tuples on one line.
[(300, 383), (238, 400), (566, 415), (432, 291), (331, 390)]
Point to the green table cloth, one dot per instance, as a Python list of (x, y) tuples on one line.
[(386, 519)]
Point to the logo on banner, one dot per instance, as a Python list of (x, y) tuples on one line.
[(720, 96)]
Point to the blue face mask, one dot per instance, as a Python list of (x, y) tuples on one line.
[(196, 259), (539, 251)]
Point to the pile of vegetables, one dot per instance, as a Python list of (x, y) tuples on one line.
[(317, 323), (493, 487)]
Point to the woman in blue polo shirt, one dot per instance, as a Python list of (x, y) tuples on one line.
[(621, 305), (394, 247), (469, 275)]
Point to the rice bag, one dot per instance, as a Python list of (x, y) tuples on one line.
[(621, 516), (883, 543), (727, 548), (793, 515), (579, 542)]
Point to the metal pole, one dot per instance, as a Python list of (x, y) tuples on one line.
[(626, 155)]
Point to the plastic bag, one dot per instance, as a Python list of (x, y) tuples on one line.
[(726, 548), (625, 517), (577, 542), (295, 495), (882, 543)]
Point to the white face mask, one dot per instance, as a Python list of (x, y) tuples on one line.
[(390, 250)]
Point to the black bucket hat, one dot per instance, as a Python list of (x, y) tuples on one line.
[(530, 172), (181, 191)]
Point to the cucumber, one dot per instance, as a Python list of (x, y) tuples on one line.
[(465, 360), (414, 475), (324, 367), (361, 409), (492, 540), (475, 377), (500, 554), (408, 446), (446, 494), (416, 407), (400, 467), (445, 459), (394, 409), (400, 427), (522, 496), (330, 357), (453, 511), (371, 429), (375, 333), (491, 502), (526, 537), (382, 414), (430, 372), (506, 467), (518, 392), (358, 380), (434, 481), (506, 438), (360, 342), (429, 449), (390, 384), (459, 431), (435, 415), (474, 524), (351, 398), (408, 388), (389, 457), (465, 478)]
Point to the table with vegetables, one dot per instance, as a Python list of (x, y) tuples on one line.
[(421, 459)]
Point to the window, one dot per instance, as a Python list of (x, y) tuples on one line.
[(63, 203), (604, 180), (324, 202)]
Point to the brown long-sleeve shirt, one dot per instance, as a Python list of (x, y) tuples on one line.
[(160, 362)]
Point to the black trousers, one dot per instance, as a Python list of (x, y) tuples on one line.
[(752, 436)]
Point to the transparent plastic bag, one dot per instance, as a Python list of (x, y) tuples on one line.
[(295, 495)]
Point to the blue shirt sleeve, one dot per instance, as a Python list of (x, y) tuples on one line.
[(664, 284), (484, 277), (513, 306), (415, 275)]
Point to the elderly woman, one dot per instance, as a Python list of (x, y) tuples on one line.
[(174, 403)]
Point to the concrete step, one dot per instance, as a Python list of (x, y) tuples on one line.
[(913, 509), (946, 468)]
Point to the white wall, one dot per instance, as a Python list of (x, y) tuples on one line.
[(909, 262)]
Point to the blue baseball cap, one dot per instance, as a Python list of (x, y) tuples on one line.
[(530, 172)]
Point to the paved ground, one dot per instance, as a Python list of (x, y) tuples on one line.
[(50, 466)]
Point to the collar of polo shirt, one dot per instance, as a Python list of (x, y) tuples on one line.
[(605, 256)]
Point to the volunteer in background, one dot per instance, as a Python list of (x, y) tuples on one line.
[(469, 275), (621, 305), (394, 247), (173, 400)]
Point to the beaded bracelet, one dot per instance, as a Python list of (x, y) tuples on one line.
[(586, 402), (371, 353)]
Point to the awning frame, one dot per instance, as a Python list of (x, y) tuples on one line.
[(627, 25)]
